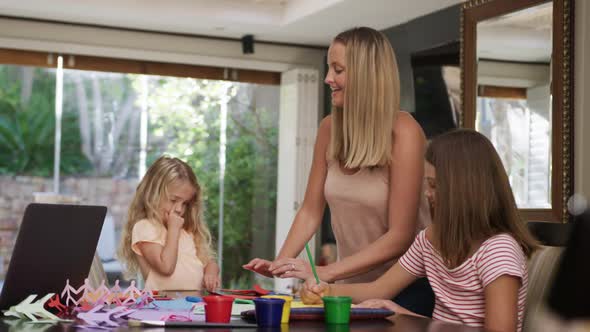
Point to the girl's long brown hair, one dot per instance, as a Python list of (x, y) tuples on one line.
[(145, 205), (474, 200), (362, 131)]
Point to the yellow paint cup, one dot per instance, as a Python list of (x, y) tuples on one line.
[(286, 306)]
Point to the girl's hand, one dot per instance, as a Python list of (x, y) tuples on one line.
[(174, 220), (311, 292), (211, 281), (385, 304), (291, 268), (259, 266)]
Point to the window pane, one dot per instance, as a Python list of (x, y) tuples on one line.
[(101, 151), (190, 128), (27, 129), (520, 130)]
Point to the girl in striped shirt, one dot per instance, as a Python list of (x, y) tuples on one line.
[(475, 252)]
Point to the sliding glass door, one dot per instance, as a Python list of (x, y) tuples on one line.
[(116, 123)]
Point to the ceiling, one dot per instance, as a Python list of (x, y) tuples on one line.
[(523, 36), (309, 22)]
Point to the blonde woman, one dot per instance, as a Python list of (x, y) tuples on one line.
[(368, 166), (165, 237)]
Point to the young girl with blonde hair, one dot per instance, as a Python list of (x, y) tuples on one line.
[(475, 252), (165, 237), (367, 166)]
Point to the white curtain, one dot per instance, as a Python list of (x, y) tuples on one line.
[(298, 122)]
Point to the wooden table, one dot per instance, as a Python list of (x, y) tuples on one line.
[(396, 323)]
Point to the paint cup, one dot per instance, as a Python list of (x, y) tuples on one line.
[(282, 328), (337, 328), (286, 306), (268, 311), (218, 308), (337, 309)]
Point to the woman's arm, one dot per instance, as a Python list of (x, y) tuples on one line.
[(501, 304), (386, 287), (405, 190), (308, 218)]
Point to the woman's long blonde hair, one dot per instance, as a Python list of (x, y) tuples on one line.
[(362, 131), (145, 205), (474, 200)]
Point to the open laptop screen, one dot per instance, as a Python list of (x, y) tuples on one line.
[(55, 242)]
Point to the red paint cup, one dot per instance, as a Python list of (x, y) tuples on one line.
[(218, 308)]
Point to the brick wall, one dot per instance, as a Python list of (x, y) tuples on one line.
[(16, 192)]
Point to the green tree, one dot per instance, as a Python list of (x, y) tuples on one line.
[(27, 126), (105, 105)]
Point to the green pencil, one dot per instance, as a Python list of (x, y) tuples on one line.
[(315, 274)]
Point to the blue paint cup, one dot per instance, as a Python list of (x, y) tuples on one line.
[(268, 311)]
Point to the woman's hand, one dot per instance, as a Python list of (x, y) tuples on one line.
[(285, 268), (291, 268), (260, 266), (311, 292)]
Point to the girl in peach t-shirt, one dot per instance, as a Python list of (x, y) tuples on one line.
[(165, 237)]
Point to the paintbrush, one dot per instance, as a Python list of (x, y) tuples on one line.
[(315, 273)]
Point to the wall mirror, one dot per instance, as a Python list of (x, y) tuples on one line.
[(516, 61)]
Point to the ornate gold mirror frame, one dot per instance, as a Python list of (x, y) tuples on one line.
[(561, 91)]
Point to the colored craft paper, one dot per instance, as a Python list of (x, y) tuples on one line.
[(242, 294), (71, 294), (175, 304), (299, 304), (32, 310), (158, 315), (95, 317)]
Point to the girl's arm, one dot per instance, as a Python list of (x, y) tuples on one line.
[(211, 279), (386, 287), (162, 259), (501, 304), (309, 216), (501, 265), (405, 190)]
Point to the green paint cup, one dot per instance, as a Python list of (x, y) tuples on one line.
[(337, 309), (337, 328)]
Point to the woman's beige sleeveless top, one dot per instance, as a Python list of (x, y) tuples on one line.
[(359, 212)]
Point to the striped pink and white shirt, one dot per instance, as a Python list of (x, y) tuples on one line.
[(459, 292)]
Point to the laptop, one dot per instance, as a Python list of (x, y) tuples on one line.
[(55, 242)]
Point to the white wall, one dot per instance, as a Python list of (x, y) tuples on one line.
[(582, 99), (297, 131), (512, 74), (40, 36)]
